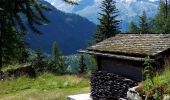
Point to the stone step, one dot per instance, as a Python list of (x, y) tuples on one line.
[(79, 97)]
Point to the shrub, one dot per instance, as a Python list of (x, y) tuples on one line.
[(148, 70), (161, 84)]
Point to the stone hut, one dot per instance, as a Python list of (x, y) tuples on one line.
[(124, 54)]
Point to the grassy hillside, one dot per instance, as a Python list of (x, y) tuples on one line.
[(44, 87)]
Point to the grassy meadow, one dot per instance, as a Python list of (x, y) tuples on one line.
[(44, 87)]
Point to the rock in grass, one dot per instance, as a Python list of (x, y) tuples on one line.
[(132, 94), (166, 97)]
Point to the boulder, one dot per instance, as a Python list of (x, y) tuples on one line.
[(166, 97), (132, 94)]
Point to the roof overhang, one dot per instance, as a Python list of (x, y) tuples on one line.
[(114, 55), (133, 46)]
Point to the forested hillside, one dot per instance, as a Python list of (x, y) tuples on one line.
[(70, 31)]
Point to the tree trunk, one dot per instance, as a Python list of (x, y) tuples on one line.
[(1, 31)]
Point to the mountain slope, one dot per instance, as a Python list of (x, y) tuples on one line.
[(70, 31), (129, 9)]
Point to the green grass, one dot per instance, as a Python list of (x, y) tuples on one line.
[(45, 87)]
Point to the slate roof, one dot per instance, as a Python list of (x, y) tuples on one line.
[(139, 44)]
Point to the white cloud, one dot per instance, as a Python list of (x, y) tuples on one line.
[(91, 12)]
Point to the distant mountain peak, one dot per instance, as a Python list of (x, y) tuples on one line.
[(129, 9)]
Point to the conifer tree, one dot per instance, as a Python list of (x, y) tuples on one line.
[(109, 24), (54, 58), (57, 60), (39, 62), (12, 27), (143, 24), (132, 28), (161, 22), (55, 52), (167, 17), (82, 64), (165, 3), (62, 65)]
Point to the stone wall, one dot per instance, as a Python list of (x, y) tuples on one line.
[(107, 86)]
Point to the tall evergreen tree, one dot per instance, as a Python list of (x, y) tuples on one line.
[(162, 19), (55, 52), (62, 65), (133, 28), (57, 63), (109, 25), (82, 64), (143, 24)]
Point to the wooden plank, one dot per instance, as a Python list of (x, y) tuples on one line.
[(114, 56)]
